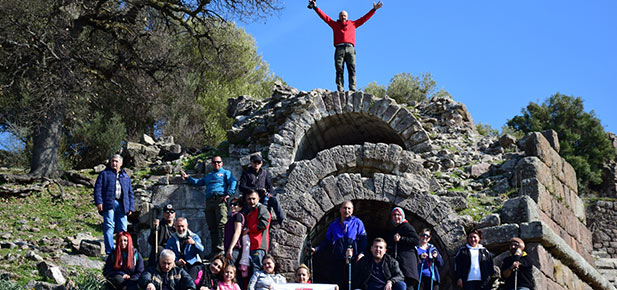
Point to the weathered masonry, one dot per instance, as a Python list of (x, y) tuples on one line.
[(326, 147)]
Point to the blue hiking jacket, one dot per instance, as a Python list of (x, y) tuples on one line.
[(220, 182), (105, 190), (342, 235)]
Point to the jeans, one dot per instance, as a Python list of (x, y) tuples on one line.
[(113, 219), (257, 257)]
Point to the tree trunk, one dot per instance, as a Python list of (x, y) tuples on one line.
[(47, 144)]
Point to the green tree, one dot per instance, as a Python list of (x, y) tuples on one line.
[(582, 139), (62, 60), (375, 89), (197, 115), (406, 88)]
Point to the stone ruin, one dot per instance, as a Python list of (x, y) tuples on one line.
[(324, 147)]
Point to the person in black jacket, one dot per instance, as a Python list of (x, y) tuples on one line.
[(124, 265), (165, 230), (257, 179), (517, 266), (166, 276), (473, 266), (402, 245), (379, 271)]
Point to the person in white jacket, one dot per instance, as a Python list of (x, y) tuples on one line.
[(265, 278)]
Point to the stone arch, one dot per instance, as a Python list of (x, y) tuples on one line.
[(377, 173), (309, 130)]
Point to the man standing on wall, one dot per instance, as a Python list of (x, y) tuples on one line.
[(220, 184), (345, 40)]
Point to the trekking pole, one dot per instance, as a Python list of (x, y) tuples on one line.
[(156, 239), (432, 274), (349, 266), (421, 268), (515, 278)]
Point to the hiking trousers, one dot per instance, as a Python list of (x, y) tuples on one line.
[(345, 54)]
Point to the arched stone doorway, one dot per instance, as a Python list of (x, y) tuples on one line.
[(377, 177)]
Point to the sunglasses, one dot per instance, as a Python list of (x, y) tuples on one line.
[(217, 162), (170, 211), (425, 236), (234, 204)]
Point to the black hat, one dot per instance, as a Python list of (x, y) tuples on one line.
[(256, 159), (169, 208)]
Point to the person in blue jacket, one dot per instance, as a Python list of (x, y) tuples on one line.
[(187, 246), (346, 237), (114, 199), (430, 261), (220, 185)]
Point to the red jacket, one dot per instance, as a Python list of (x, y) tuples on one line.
[(344, 32), (258, 224)]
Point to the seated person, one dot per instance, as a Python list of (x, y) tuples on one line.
[(265, 278), (186, 246), (166, 276), (379, 271), (124, 265), (165, 230), (302, 275), (210, 275)]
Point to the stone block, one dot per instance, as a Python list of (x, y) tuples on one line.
[(390, 112), (92, 248), (519, 210), (322, 198), (402, 120), (552, 138), (499, 235), (330, 187), (51, 271), (390, 187), (477, 170), (357, 101), (541, 259), (380, 106), (532, 167)]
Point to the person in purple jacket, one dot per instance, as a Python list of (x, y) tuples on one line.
[(113, 197), (346, 237)]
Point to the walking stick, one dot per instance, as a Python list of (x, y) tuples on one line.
[(349, 268), (432, 274), (516, 279), (420, 280), (156, 238)]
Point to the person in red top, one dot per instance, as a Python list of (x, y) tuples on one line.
[(345, 40), (258, 227)]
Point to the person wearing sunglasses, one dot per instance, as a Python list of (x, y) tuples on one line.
[(430, 260), (237, 244), (220, 185), (256, 178), (165, 230)]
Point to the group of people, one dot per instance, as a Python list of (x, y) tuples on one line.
[(240, 243)]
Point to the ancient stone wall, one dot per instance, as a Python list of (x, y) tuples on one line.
[(326, 147), (549, 212), (602, 217)]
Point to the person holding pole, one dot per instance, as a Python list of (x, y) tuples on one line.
[(160, 233), (402, 246), (344, 31), (430, 260), (516, 268), (346, 237)]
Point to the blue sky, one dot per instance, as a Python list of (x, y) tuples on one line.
[(494, 56)]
